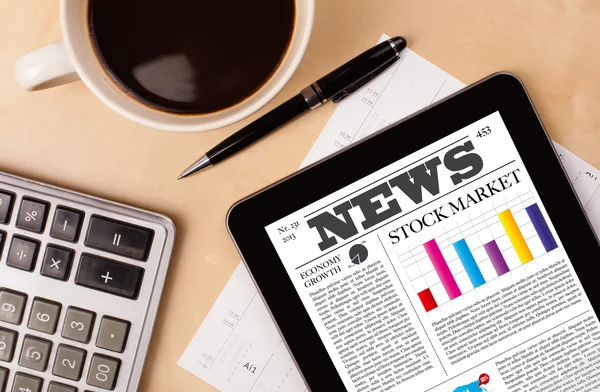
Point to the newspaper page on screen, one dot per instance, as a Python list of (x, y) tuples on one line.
[(443, 272)]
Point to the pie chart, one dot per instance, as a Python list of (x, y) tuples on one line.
[(358, 253)]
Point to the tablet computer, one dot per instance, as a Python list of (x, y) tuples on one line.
[(447, 252)]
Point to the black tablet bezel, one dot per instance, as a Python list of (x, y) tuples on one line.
[(500, 92)]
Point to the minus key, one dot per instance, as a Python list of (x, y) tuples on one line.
[(66, 224)]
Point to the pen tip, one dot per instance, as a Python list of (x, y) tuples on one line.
[(198, 165)]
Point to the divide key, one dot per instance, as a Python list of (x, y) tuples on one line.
[(119, 238)]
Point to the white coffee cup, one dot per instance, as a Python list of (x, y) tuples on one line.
[(74, 58)]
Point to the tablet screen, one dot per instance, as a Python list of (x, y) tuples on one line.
[(443, 272)]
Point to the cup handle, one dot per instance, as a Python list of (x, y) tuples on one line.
[(45, 67)]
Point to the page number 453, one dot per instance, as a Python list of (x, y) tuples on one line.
[(484, 132)]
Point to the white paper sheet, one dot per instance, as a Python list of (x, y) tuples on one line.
[(585, 180), (408, 86), (238, 348)]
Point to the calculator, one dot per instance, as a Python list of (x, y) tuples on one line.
[(80, 284)]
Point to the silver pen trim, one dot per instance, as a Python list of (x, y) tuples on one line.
[(197, 166), (319, 92), (311, 97), (393, 45)]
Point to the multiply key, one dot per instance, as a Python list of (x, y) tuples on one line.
[(109, 276), (57, 262)]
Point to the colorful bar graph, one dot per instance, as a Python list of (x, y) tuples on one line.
[(468, 261), (493, 252), (515, 236), (427, 300), (441, 267), (541, 227)]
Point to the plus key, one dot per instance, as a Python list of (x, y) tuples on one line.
[(109, 276), (106, 277)]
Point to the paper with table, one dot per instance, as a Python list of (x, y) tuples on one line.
[(238, 347)]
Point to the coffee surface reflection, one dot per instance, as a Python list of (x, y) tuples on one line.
[(190, 56)]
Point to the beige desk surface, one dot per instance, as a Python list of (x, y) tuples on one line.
[(65, 136)]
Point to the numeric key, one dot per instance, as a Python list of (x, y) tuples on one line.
[(27, 383), (78, 325), (103, 372), (3, 378), (12, 305), (44, 316), (8, 340), (35, 353), (69, 362), (57, 387), (32, 215)]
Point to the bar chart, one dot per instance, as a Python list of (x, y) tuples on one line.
[(482, 246)]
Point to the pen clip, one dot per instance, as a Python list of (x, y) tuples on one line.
[(345, 93)]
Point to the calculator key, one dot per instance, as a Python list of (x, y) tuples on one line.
[(2, 240), (26, 382), (35, 353), (12, 305), (78, 325), (103, 372), (8, 340), (6, 202), (56, 387), (66, 224), (119, 238), (113, 334), (44, 315), (57, 262), (32, 215), (109, 276), (3, 378), (69, 362), (23, 253)]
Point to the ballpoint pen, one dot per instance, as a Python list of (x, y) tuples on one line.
[(334, 86)]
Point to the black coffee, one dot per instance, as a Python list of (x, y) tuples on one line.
[(191, 56)]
